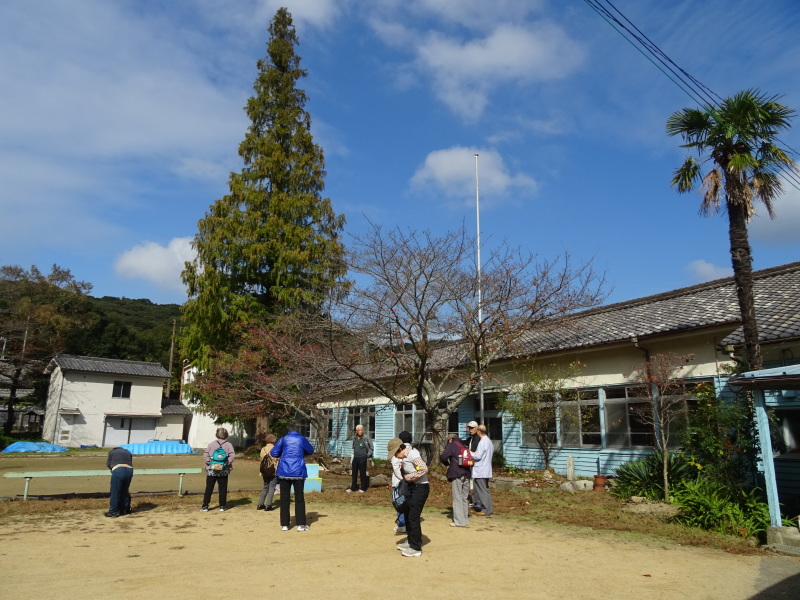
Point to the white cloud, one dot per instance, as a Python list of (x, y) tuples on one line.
[(702, 271), (465, 74), (451, 173), (473, 14), (155, 263), (783, 228)]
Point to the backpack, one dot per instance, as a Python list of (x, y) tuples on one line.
[(465, 457), (400, 495), (268, 465), (219, 459)]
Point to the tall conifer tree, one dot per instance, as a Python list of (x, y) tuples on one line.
[(272, 244)]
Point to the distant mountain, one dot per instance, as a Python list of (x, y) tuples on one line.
[(127, 329)]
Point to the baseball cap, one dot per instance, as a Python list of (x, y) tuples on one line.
[(472, 424)]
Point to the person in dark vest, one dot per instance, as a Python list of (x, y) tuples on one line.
[(459, 477), (362, 452)]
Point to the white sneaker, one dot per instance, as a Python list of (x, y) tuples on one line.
[(348, 490), (362, 491), (284, 528), (403, 546), (302, 528), (411, 552), (399, 529)]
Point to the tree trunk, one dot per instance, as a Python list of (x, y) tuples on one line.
[(438, 436), (742, 262), (262, 426), (8, 426)]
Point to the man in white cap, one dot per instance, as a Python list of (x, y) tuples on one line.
[(472, 438), (471, 441), (482, 473)]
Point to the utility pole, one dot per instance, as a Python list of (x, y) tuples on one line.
[(480, 299)]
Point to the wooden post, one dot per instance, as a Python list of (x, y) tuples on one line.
[(570, 468)]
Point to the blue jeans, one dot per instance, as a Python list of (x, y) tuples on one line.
[(120, 497)]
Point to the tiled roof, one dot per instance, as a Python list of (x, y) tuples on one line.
[(777, 299), (90, 364), (173, 407)]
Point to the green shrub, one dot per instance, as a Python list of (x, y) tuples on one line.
[(499, 461), (709, 505), (644, 477)]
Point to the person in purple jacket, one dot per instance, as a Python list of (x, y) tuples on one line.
[(292, 450)]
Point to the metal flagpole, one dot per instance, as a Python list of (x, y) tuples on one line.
[(480, 300)]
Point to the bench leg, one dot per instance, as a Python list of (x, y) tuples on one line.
[(27, 482), (180, 485)]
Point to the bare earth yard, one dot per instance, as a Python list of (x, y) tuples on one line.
[(173, 550)]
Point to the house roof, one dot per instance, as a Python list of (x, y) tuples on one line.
[(777, 378), (174, 407), (777, 300), (90, 364)]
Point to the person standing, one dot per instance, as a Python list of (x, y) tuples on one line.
[(471, 442), (362, 452), (397, 474), (472, 439), (459, 476), (218, 456), (120, 462), (270, 481), (482, 473), (415, 472), (292, 450)]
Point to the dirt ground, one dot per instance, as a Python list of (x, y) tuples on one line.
[(178, 551)]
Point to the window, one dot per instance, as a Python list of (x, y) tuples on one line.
[(625, 425), (361, 415), (411, 419), (580, 419), (304, 427), (122, 389)]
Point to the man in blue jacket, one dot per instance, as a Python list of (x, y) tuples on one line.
[(292, 450)]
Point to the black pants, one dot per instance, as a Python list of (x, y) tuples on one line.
[(413, 513), (359, 467), (299, 501), (222, 482)]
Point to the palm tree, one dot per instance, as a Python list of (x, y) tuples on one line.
[(739, 138)]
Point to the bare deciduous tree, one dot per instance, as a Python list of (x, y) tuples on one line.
[(664, 388), (414, 334)]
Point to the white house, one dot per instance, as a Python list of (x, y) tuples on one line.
[(107, 402), (201, 427)]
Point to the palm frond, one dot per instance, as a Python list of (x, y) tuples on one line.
[(685, 176), (712, 193)]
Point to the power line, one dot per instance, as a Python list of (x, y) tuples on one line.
[(695, 89)]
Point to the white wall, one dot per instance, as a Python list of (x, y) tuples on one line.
[(90, 393)]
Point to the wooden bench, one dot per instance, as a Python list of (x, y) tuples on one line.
[(28, 475)]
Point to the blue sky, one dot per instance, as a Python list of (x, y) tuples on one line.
[(120, 121)]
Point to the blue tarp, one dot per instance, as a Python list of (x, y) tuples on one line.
[(33, 447), (159, 447)]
